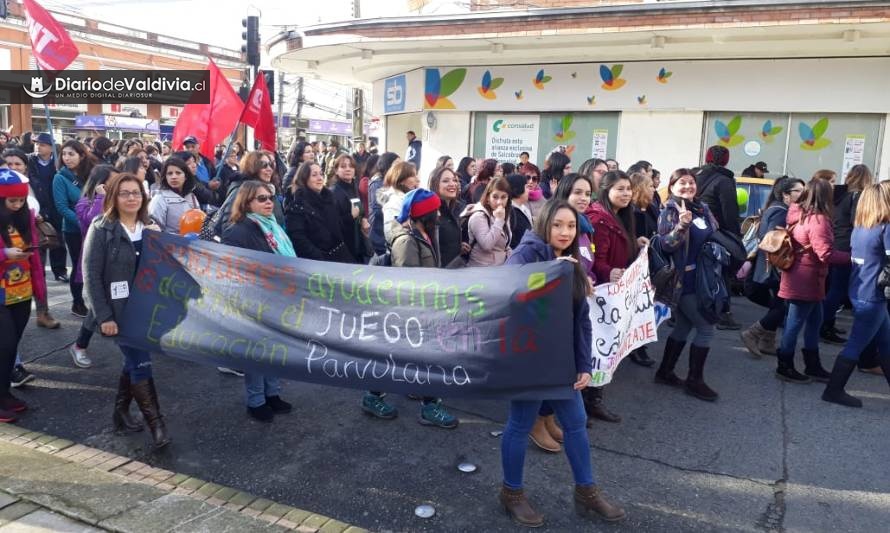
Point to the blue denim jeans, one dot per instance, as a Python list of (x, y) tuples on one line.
[(838, 285), (258, 386), (573, 420), (137, 363), (871, 322), (806, 316), (688, 317)]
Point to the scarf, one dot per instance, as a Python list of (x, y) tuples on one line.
[(586, 226), (275, 235), (535, 194)]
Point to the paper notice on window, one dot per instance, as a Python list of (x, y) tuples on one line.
[(600, 143), (854, 152)]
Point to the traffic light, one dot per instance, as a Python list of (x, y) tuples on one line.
[(269, 76), (251, 47)]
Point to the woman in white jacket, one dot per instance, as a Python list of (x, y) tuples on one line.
[(175, 195), (401, 178)]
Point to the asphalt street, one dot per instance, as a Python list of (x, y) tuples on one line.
[(768, 456)]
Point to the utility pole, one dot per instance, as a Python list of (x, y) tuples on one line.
[(280, 108), (299, 104), (358, 97)]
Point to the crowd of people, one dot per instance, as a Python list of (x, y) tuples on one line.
[(325, 204)]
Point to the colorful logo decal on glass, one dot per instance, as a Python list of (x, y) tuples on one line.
[(663, 75), (489, 84), (518, 94), (641, 99), (439, 88), (564, 131), (540, 79), (728, 133), (769, 132), (612, 80), (812, 138), (591, 100)]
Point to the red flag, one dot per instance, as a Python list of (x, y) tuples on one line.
[(210, 123), (258, 113), (51, 45)]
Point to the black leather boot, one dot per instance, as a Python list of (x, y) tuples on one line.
[(665, 373), (123, 422), (785, 369), (840, 374), (813, 366), (695, 382), (596, 407), (147, 399)]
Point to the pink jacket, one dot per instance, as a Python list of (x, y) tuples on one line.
[(489, 237), (805, 280), (38, 283)]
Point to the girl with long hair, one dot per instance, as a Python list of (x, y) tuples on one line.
[(175, 195), (312, 220), (558, 165), (21, 279), (556, 236), (466, 169), (760, 338), (353, 220), (486, 173), (67, 184), (377, 194), (488, 226), (111, 255), (803, 284), (445, 183)]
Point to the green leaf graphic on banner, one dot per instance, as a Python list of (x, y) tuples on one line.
[(497, 82), (567, 123), (452, 81), (616, 71), (734, 124), (820, 127), (545, 79)]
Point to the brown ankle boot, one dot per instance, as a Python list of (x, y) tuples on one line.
[(541, 437), (46, 320), (123, 422), (147, 399), (589, 500), (553, 429), (517, 506), (595, 406)]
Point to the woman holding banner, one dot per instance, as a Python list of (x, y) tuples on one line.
[(110, 259), (253, 226), (684, 226), (615, 247), (556, 236)]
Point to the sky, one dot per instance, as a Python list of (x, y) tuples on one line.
[(218, 22)]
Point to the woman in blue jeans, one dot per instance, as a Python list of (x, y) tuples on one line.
[(555, 236), (803, 284), (870, 243), (110, 259), (253, 226)]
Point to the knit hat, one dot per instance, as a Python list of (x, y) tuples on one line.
[(517, 184), (44, 138), (12, 184), (717, 155), (418, 203)]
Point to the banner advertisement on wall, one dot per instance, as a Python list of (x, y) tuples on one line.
[(507, 136)]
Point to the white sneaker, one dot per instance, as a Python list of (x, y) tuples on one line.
[(230, 371), (80, 356)]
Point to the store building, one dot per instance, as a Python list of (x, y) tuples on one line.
[(799, 85), (105, 46)]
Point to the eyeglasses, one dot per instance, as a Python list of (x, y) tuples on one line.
[(263, 198), (266, 164), (123, 195)]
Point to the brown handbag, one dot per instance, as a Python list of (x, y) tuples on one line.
[(780, 248), (48, 237)]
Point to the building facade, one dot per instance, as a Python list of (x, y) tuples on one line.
[(799, 85)]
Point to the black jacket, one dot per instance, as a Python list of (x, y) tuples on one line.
[(221, 221), (41, 181), (246, 234), (449, 231), (349, 227), (313, 226), (519, 223), (845, 202), (646, 221), (716, 189)]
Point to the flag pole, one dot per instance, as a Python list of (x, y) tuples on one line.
[(49, 125)]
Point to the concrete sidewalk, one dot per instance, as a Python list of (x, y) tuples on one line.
[(50, 484)]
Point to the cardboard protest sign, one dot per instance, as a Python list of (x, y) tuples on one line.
[(623, 316), (500, 332)]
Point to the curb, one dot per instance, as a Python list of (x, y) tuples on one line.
[(283, 516)]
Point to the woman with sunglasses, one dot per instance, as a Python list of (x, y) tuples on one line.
[(257, 165), (254, 227), (536, 198)]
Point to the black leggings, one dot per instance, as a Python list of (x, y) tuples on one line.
[(775, 316), (73, 241), (13, 319)]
